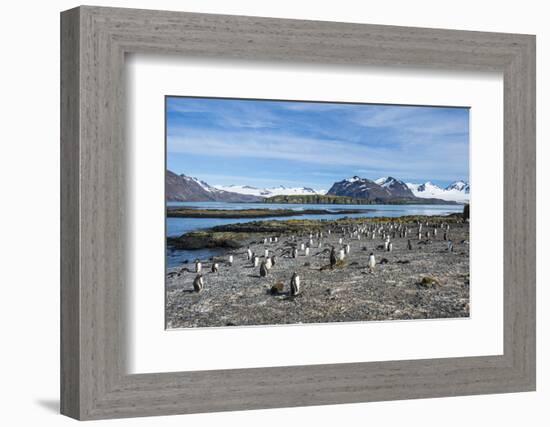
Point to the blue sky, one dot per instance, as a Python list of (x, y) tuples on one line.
[(270, 143)]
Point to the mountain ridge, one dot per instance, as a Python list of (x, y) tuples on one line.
[(385, 189)]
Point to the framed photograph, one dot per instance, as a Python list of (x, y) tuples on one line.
[(262, 213)]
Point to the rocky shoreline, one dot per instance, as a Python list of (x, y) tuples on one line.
[(424, 280)]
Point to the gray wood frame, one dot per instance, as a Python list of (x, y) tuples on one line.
[(94, 41)]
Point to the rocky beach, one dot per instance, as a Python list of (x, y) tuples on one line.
[(415, 276)]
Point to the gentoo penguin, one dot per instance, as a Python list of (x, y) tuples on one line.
[(230, 259), (435, 233), (347, 249), (294, 253), (328, 231), (386, 245), (263, 269), (248, 254), (450, 246), (341, 255), (275, 239), (273, 260), (310, 242), (390, 246), (332, 257), (265, 240), (372, 262), (256, 261), (294, 284), (302, 246), (215, 267), (266, 253), (267, 263), (198, 266), (320, 245), (307, 251), (340, 241), (445, 236), (409, 245), (198, 283)]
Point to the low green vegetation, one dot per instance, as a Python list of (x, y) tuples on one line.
[(319, 199)]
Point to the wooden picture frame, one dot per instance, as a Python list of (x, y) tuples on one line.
[(94, 382)]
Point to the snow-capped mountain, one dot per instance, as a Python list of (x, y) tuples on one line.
[(185, 188), (269, 192), (458, 191), (459, 186), (398, 188), (363, 188)]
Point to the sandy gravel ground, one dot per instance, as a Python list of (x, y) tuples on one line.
[(238, 296)]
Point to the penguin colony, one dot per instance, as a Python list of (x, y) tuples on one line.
[(332, 245)]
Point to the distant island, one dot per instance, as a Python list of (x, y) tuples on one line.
[(177, 212)]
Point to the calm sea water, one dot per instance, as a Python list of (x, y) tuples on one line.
[(179, 226)]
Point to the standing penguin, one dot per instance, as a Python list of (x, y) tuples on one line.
[(372, 262), (347, 249), (307, 251), (302, 246), (294, 284), (273, 260), (248, 254), (266, 253), (230, 259), (263, 269), (390, 246), (267, 263), (409, 245), (198, 283), (332, 257), (215, 267), (340, 241), (445, 236), (256, 261), (450, 246), (294, 253), (341, 255), (198, 266)]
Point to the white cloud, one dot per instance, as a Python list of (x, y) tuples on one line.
[(441, 161)]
